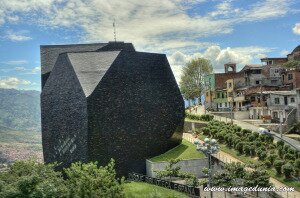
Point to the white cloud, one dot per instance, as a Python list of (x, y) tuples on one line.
[(166, 24), (12, 82), (16, 36), (16, 62), (36, 70), (296, 28), (284, 52), (267, 9)]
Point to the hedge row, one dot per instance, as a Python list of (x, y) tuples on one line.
[(205, 117)]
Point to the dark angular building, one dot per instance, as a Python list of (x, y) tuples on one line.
[(103, 101)]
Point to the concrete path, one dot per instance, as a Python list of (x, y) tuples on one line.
[(226, 158)]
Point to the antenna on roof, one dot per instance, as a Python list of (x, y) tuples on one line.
[(115, 33)]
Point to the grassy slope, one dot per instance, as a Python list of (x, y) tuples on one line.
[(185, 150), (144, 190)]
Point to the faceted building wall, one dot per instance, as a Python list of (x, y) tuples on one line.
[(113, 102)]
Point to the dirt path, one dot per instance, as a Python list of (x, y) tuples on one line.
[(226, 158)]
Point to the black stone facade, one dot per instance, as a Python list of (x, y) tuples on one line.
[(134, 112)]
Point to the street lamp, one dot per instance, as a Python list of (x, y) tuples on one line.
[(208, 147)]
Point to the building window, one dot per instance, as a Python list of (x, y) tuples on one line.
[(273, 82), (276, 71), (256, 71), (225, 104), (270, 62), (220, 104), (290, 76), (257, 82), (229, 85), (276, 101), (292, 100)]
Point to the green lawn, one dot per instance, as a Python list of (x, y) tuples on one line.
[(185, 150), (145, 190)]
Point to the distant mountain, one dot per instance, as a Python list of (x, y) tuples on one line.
[(20, 109)]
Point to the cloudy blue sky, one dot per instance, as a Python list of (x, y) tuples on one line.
[(220, 30)]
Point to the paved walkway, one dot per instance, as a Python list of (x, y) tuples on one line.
[(226, 158)]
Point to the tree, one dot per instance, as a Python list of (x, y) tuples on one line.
[(89, 180), (278, 165), (171, 170), (192, 78), (272, 158), (239, 147), (297, 166), (257, 177), (32, 179), (288, 170), (291, 64)]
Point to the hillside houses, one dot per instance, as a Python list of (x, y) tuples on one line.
[(259, 91)]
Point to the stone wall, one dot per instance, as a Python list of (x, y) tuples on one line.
[(188, 125), (193, 166)]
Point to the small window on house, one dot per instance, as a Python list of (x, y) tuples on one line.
[(276, 71), (290, 76), (257, 82), (229, 85), (225, 104), (292, 100), (273, 82), (270, 62), (252, 99), (220, 104), (276, 100)]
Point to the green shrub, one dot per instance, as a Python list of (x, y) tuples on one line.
[(32, 179), (267, 163), (272, 158), (281, 152), (247, 149), (257, 143), (205, 117), (280, 143), (289, 156), (278, 165), (237, 128), (239, 147), (252, 150), (286, 148), (288, 170), (261, 155), (297, 166), (206, 131), (246, 131)]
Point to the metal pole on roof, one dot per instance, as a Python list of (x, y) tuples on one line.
[(115, 33)]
